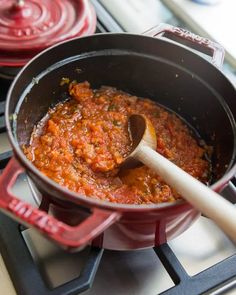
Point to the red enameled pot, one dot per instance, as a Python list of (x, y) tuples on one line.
[(156, 65)]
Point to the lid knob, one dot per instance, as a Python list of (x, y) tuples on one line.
[(18, 10), (19, 3)]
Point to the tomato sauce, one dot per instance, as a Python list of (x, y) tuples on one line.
[(82, 141)]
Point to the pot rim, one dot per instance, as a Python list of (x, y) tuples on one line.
[(87, 201)]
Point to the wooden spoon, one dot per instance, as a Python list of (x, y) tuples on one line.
[(199, 195)]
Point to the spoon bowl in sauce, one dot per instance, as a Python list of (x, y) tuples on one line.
[(207, 201)]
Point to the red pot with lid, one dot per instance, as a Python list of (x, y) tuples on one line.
[(29, 26), (150, 65)]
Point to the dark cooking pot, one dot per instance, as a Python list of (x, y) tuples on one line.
[(157, 68)]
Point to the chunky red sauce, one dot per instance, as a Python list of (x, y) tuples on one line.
[(81, 142)]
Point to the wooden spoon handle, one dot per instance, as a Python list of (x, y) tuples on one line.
[(199, 195)]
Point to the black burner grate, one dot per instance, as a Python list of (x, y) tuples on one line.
[(25, 274), (201, 283)]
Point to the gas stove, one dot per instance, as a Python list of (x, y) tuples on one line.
[(200, 261)]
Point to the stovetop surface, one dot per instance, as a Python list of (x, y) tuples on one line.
[(202, 246), (128, 272)]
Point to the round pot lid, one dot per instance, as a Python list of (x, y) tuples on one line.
[(29, 26)]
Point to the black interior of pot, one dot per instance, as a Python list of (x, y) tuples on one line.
[(143, 66)]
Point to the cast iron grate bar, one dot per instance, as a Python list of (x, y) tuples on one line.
[(105, 19), (4, 88), (100, 28), (171, 263), (2, 107), (23, 271), (4, 158), (2, 117), (2, 123), (200, 283)]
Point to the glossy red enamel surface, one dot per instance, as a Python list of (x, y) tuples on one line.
[(198, 42), (36, 25), (136, 230), (118, 230)]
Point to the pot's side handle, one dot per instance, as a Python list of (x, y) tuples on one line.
[(67, 236), (194, 41)]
